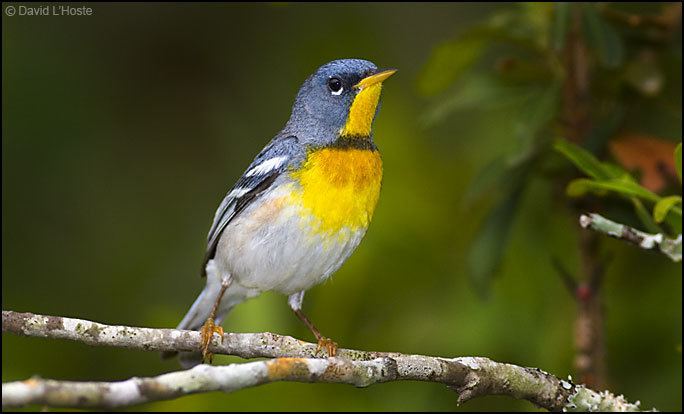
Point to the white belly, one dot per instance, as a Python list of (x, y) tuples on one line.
[(272, 245)]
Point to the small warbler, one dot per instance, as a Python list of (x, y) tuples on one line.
[(301, 207)]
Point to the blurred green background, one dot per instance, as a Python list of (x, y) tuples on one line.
[(123, 130)]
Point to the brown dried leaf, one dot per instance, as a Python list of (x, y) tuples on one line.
[(651, 156)]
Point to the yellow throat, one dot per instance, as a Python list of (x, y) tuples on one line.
[(362, 112)]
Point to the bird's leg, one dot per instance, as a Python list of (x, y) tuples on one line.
[(209, 328), (295, 302), (328, 344)]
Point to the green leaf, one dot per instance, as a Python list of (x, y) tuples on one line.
[(674, 222), (645, 216), (532, 116), (486, 181), (448, 62), (477, 91), (580, 187), (539, 110), (583, 159), (678, 161), (602, 37), (664, 206), (501, 173), (624, 187), (488, 248), (561, 16), (616, 171)]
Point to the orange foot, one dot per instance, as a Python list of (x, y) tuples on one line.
[(328, 344), (207, 332)]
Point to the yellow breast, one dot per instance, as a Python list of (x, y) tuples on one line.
[(339, 187)]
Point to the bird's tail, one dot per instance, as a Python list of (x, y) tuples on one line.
[(198, 314)]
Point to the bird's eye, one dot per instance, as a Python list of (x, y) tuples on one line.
[(335, 86)]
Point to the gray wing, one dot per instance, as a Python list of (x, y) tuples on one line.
[(271, 162)]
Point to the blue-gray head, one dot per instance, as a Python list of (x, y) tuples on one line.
[(340, 99)]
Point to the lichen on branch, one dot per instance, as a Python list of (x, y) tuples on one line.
[(672, 248), (292, 360)]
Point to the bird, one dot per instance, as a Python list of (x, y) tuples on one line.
[(301, 207)]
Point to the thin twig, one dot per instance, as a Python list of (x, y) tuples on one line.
[(567, 278), (672, 248)]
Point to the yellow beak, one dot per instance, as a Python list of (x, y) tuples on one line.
[(375, 78)]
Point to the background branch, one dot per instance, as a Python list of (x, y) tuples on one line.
[(294, 360), (576, 110), (672, 248)]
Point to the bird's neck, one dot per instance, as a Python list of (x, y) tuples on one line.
[(353, 143)]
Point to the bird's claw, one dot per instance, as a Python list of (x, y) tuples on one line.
[(206, 333), (328, 344)]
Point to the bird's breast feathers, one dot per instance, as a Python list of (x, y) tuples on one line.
[(306, 225), (338, 187)]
